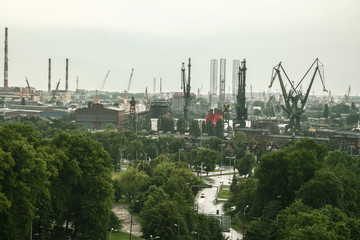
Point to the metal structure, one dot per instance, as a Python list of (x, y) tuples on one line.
[(241, 110), (128, 89), (236, 65), (147, 100), (53, 100), (213, 75), (186, 88), (6, 61), (49, 76), (31, 94), (102, 86), (222, 79), (294, 100), (67, 75)]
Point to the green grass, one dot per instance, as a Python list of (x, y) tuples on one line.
[(121, 236), (224, 193)]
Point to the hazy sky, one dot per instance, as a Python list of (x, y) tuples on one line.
[(155, 36)]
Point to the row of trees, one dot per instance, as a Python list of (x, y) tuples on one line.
[(302, 192), (53, 187), (161, 192)]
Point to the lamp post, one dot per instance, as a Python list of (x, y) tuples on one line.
[(221, 157), (131, 221), (198, 235), (121, 150), (110, 232), (180, 149), (244, 220), (151, 237), (178, 227)]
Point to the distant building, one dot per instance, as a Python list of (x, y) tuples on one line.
[(213, 75), (235, 77), (222, 79), (97, 116), (178, 101), (159, 108)]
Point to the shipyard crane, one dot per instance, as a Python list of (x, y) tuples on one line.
[(102, 86), (294, 100), (241, 110), (347, 95), (147, 100), (185, 85), (128, 89), (31, 94), (53, 100)]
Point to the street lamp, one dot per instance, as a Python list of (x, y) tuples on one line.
[(221, 157), (198, 235), (131, 221), (110, 232), (178, 230), (180, 149), (244, 220), (151, 237), (121, 150)]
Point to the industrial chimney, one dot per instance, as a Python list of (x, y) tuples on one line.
[(66, 76), (49, 78), (6, 83)]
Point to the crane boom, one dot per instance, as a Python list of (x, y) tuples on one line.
[(53, 100)]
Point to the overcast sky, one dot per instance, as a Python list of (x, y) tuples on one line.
[(155, 36)]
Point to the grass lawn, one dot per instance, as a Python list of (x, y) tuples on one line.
[(121, 236), (224, 193)]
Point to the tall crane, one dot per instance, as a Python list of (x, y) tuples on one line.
[(147, 100), (31, 94), (102, 86), (294, 100), (185, 85), (53, 100), (241, 110), (128, 89)]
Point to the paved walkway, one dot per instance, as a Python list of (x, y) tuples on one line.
[(121, 211)]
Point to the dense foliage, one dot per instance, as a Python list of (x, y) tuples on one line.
[(302, 192)]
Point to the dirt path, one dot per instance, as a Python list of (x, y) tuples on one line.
[(121, 211)]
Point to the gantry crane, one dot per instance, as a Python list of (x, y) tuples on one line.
[(185, 85), (294, 99)]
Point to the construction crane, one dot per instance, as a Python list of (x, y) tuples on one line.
[(31, 94), (185, 85), (53, 100), (347, 95), (294, 100), (125, 105), (96, 99)]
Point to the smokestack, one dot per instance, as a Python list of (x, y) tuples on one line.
[(6, 82), (160, 85), (49, 79), (66, 76)]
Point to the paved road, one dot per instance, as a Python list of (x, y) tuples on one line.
[(206, 205)]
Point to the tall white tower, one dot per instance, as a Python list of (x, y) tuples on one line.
[(222, 79), (213, 75), (235, 77)]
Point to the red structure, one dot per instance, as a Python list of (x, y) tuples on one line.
[(213, 115)]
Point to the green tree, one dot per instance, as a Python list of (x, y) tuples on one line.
[(208, 157), (326, 111), (181, 125), (194, 129), (131, 182), (82, 193), (352, 119), (219, 128), (210, 128), (245, 165)]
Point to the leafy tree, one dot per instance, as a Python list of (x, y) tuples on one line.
[(131, 182), (352, 119), (136, 149), (219, 128), (210, 128), (82, 193), (245, 164), (165, 124), (333, 145), (203, 127), (109, 126), (326, 111), (194, 129), (340, 108), (208, 157), (181, 125)]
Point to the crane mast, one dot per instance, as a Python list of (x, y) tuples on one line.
[(241, 110), (186, 88), (128, 89)]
